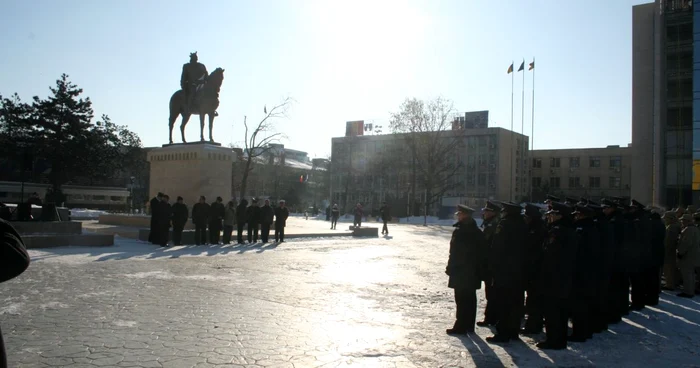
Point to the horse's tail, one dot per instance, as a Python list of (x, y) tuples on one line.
[(177, 104)]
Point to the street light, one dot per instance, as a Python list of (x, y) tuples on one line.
[(132, 194)]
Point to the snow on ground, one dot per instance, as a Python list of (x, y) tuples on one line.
[(84, 213)]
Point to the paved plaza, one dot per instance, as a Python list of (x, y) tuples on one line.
[(328, 302)]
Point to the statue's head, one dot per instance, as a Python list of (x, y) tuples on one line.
[(193, 57)]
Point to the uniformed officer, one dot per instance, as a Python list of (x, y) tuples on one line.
[(490, 215), (537, 232), (586, 271), (558, 258), (467, 252), (640, 251), (507, 272), (600, 314)]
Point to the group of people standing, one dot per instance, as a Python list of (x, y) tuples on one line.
[(576, 262), (210, 220)]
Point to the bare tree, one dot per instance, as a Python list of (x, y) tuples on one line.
[(433, 145), (259, 138)]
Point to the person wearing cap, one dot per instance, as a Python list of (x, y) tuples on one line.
[(163, 222), (586, 271), (241, 219), (638, 250), (537, 231), (335, 215), (253, 217), (558, 259), (154, 206), (616, 300), (506, 258), (281, 215), (267, 217), (467, 251), (673, 232), (359, 213), (490, 215), (688, 255), (200, 218), (229, 221), (385, 212), (600, 312), (180, 216), (216, 217), (571, 201), (658, 241)]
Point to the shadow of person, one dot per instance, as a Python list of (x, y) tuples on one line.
[(479, 351)]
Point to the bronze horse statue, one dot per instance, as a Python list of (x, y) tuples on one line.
[(206, 103)]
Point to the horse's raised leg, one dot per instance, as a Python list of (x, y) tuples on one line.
[(211, 127), (185, 119), (201, 127)]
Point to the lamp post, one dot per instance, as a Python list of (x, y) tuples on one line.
[(131, 189)]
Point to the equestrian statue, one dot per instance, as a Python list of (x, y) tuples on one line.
[(199, 95)]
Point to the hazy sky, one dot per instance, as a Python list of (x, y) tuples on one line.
[(340, 61)]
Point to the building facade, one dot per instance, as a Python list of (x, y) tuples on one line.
[(665, 91), (489, 164), (592, 173)]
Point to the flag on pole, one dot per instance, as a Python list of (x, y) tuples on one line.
[(522, 66), (532, 64), (510, 68)]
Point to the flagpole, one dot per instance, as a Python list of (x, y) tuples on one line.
[(532, 135), (512, 95), (522, 126)]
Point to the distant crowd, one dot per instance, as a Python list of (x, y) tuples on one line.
[(211, 220)]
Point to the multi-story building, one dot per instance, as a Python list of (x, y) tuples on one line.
[(490, 163), (666, 102), (593, 173)]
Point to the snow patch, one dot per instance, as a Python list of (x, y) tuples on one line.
[(160, 275), (13, 308), (53, 305), (121, 323), (86, 213)]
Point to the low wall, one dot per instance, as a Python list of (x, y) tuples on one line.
[(61, 240), (142, 221), (52, 227)]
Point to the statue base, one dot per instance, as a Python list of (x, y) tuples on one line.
[(191, 170), (192, 144)]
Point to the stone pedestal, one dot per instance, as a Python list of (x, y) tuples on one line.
[(191, 170)]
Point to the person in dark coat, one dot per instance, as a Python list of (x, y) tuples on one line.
[(359, 213), (281, 215), (166, 214), (385, 213), (586, 272), (490, 215), (253, 216), (506, 257), (619, 285), (533, 264), (200, 218), (267, 217), (229, 221), (14, 260), (335, 215), (154, 206), (217, 211), (180, 215), (640, 253), (673, 232), (241, 219), (653, 274), (467, 252), (600, 314), (558, 259)]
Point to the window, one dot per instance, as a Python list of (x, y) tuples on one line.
[(594, 162), (482, 160), (536, 182), (574, 182), (482, 179), (98, 198), (615, 162), (594, 181), (555, 162), (554, 182), (536, 163), (615, 182), (573, 162)]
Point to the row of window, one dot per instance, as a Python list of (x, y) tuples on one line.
[(593, 161), (614, 182)]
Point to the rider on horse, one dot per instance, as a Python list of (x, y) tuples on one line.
[(194, 74)]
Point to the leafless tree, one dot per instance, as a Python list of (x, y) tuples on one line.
[(427, 131), (258, 138)]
